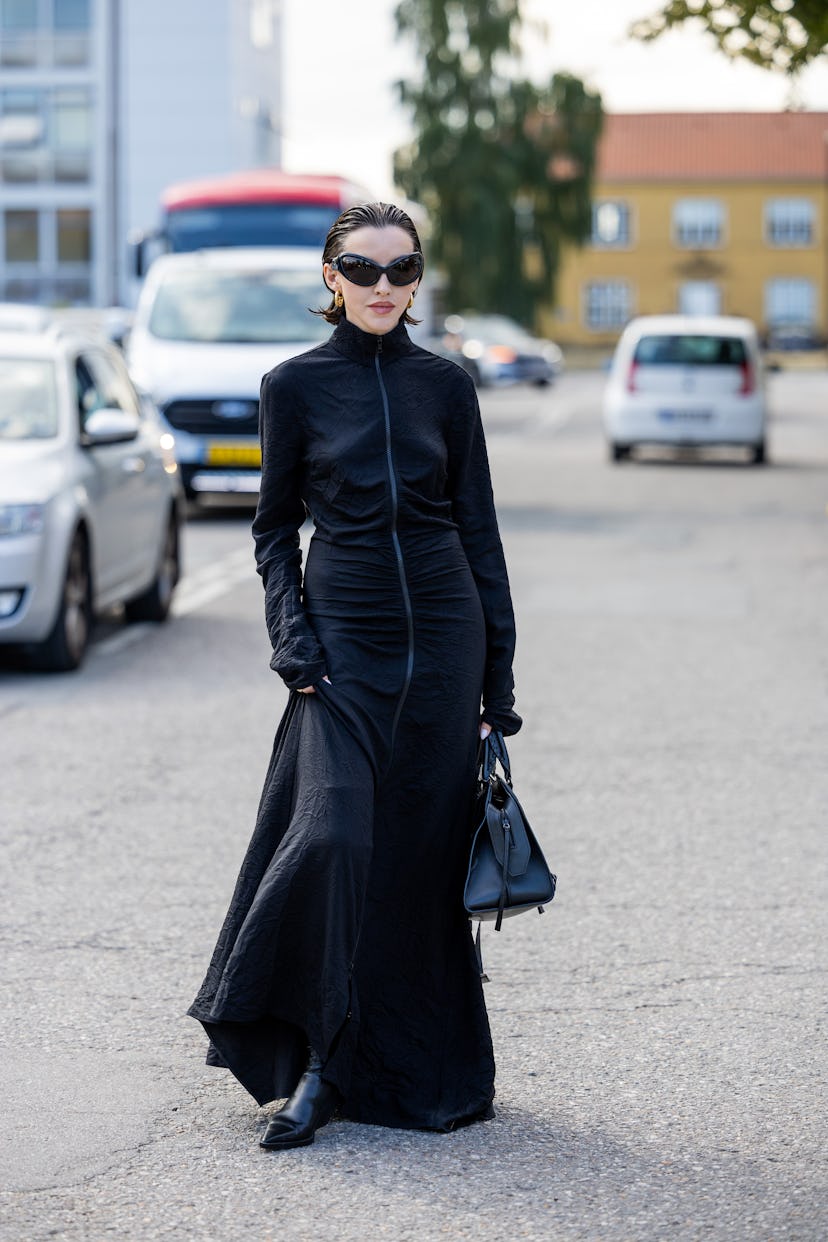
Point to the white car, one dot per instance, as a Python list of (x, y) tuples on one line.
[(208, 325), (686, 380), (90, 495)]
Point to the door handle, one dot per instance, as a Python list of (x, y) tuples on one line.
[(133, 465)]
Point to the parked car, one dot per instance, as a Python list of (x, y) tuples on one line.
[(497, 351), (90, 495), (686, 380), (797, 338), (208, 325)]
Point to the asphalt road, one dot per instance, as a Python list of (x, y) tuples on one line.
[(660, 1065)]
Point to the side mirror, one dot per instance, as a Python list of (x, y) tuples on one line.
[(117, 322), (143, 248), (135, 249), (110, 427)]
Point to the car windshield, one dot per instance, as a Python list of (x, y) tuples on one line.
[(28, 399), (690, 350), (249, 224), (243, 307)]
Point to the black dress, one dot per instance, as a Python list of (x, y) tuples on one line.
[(346, 930)]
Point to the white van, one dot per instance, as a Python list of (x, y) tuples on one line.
[(686, 380), (208, 325)]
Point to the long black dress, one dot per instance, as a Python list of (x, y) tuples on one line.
[(346, 930)]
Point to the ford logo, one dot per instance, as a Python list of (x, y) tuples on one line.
[(234, 409)]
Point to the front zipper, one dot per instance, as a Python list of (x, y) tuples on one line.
[(395, 539)]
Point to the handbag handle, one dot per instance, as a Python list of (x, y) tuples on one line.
[(491, 752)]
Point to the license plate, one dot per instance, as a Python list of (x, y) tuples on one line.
[(234, 455), (685, 416)]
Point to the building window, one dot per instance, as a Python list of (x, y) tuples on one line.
[(18, 33), (789, 222), (47, 255), (610, 223), (699, 297), (607, 304), (790, 302), (71, 14), (74, 235), (46, 135), (72, 129), (698, 223), (71, 36), (44, 33), (22, 136), (22, 243), (18, 15)]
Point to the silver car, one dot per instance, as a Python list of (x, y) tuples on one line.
[(497, 351), (90, 494)]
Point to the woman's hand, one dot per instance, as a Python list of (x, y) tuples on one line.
[(485, 730), (312, 689)]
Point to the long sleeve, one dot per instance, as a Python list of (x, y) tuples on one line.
[(297, 654), (474, 512)]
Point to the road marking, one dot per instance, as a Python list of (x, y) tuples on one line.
[(124, 638), (194, 591), (545, 417), (212, 581)]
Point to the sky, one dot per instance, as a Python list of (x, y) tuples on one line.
[(342, 58)]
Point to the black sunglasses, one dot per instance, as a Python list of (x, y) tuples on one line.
[(361, 271)]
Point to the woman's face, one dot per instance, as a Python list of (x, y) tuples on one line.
[(377, 308)]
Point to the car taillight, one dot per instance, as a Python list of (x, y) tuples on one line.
[(631, 377), (748, 383), (501, 353)]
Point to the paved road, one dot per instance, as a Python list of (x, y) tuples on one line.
[(660, 1073)]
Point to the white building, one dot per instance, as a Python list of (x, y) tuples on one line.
[(103, 103)]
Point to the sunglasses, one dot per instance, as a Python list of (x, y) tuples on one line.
[(361, 271)]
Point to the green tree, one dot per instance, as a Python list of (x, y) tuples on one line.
[(503, 166), (784, 35)]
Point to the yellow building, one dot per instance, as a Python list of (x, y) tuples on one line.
[(703, 213)]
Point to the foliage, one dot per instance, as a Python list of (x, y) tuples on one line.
[(503, 166), (776, 34)]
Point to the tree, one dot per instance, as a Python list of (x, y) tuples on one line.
[(503, 166), (784, 35)]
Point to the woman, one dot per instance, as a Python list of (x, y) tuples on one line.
[(345, 975)]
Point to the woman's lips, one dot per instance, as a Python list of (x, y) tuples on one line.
[(382, 308)]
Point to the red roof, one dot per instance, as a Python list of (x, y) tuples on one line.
[(263, 185), (714, 146)]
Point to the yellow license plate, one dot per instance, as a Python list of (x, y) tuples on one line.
[(234, 455)]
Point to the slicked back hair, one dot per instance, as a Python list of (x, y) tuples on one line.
[(364, 215)]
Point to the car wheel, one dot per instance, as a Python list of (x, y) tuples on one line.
[(759, 454), (619, 452), (66, 645), (154, 603)]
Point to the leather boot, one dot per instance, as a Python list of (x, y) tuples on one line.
[(308, 1109)]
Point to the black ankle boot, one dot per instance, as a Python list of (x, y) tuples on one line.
[(308, 1109)]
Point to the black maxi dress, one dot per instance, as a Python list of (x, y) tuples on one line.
[(346, 930)]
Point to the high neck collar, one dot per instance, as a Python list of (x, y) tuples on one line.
[(363, 347)]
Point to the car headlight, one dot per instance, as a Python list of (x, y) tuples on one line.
[(21, 519)]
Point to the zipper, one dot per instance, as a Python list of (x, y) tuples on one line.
[(395, 539)]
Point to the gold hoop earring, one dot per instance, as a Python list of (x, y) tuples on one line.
[(339, 301), (410, 302)]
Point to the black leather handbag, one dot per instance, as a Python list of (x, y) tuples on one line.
[(507, 870)]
